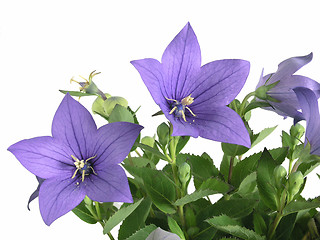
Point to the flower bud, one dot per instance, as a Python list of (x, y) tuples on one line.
[(261, 93), (297, 131), (163, 134), (148, 141), (295, 181), (97, 106), (111, 102), (184, 172), (279, 173)]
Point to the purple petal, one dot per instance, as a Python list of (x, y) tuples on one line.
[(219, 82), (289, 67), (222, 124), (160, 234), (151, 74), (74, 126), (181, 62), (113, 143), (309, 105), (43, 156), (35, 194), (109, 185), (59, 196)]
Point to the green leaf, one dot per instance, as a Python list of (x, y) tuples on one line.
[(215, 184), (279, 154), (233, 150), (248, 185), (265, 181), (151, 150), (202, 167), (259, 224), (297, 206), (76, 93), (174, 228), (225, 165), (183, 140), (262, 135), (307, 167), (230, 226), (84, 214), (136, 220), (143, 233), (285, 227), (119, 216), (139, 162), (235, 208), (244, 168), (194, 196), (120, 114)]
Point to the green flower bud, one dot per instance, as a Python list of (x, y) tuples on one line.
[(279, 173), (111, 102), (184, 172), (295, 181), (97, 106), (163, 134), (148, 141), (261, 93), (297, 131)]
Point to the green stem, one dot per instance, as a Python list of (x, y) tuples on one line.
[(243, 104), (97, 205), (230, 169), (110, 236), (274, 226)]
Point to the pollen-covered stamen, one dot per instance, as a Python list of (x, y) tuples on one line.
[(179, 107), (83, 166)]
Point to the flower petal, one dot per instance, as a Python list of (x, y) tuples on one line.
[(74, 126), (109, 185), (43, 156), (219, 82), (151, 74), (59, 196), (309, 105), (181, 62), (113, 142), (289, 67)]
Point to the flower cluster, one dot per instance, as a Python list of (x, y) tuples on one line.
[(80, 167)]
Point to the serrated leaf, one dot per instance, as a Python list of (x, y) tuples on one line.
[(139, 162), (265, 180), (143, 233), (175, 228), (228, 225), (259, 224), (297, 206), (120, 114), (248, 185), (285, 227), (135, 220), (194, 196), (119, 216), (76, 93), (262, 135), (235, 208), (83, 213), (233, 150), (183, 140)]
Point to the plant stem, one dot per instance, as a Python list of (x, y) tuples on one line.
[(230, 169), (243, 104), (97, 205), (110, 236), (276, 221)]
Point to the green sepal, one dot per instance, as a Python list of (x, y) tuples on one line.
[(254, 105), (143, 233), (120, 114), (77, 93)]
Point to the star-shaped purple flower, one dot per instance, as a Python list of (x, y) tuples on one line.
[(309, 106), (194, 97), (78, 160), (287, 104)]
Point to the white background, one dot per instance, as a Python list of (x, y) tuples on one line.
[(44, 43)]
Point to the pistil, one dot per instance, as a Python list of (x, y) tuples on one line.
[(179, 107)]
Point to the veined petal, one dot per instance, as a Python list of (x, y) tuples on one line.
[(59, 196), (181, 62), (152, 76), (290, 66), (109, 185), (113, 142), (45, 157), (221, 124), (309, 105), (219, 82), (74, 126)]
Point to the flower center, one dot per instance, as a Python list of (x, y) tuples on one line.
[(178, 108), (83, 167)]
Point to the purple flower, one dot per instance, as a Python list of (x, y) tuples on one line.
[(194, 97), (309, 106), (78, 160), (287, 103)]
